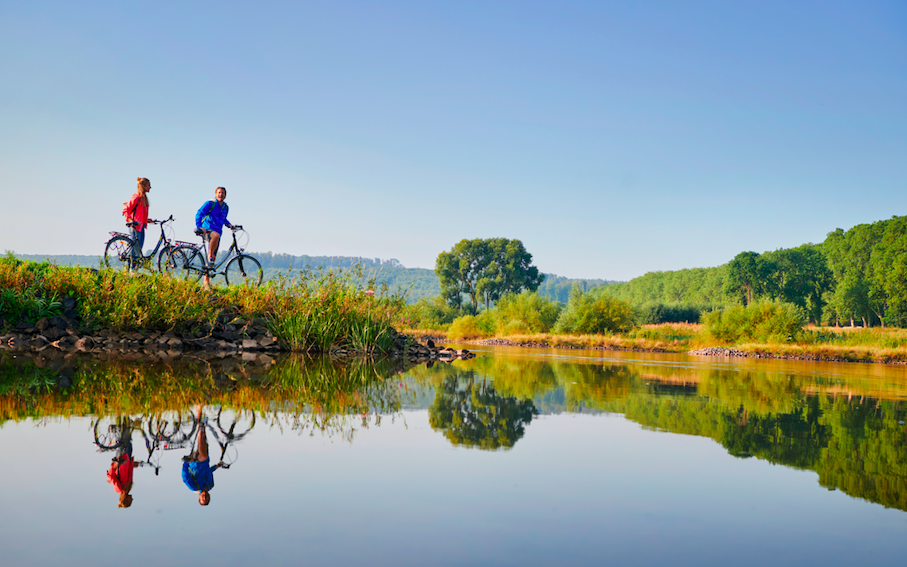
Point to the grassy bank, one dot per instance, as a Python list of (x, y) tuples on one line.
[(883, 345), (313, 311)]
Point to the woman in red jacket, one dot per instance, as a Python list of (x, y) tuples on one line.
[(136, 210)]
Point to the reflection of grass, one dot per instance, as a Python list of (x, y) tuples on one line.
[(319, 392)]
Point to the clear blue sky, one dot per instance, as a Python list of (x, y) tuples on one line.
[(612, 138)]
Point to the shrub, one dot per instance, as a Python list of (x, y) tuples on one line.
[(586, 314), (524, 313), (429, 313), (766, 321), (469, 327)]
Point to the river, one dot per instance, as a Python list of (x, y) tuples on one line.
[(516, 457)]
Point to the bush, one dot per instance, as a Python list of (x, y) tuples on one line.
[(429, 313), (470, 327), (586, 314), (524, 313), (765, 321)]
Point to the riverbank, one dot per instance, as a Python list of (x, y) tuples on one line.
[(875, 346), (43, 304)]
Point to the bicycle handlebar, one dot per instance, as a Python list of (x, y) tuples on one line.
[(133, 224)]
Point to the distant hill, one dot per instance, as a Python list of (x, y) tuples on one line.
[(420, 282)]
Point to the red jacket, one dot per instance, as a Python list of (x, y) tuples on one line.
[(136, 210), (120, 473)]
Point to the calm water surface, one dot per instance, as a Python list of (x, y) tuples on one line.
[(516, 457)]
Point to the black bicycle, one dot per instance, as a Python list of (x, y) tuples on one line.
[(172, 430), (227, 430), (122, 252), (190, 261)]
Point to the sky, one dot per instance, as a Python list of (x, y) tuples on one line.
[(611, 138)]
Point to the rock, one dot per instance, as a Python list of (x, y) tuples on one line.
[(249, 344), (42, 324), (175, 344), (85, 343)]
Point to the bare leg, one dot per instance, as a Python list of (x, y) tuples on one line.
[(202, 437), (213, 245)]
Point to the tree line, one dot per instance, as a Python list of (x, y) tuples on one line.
[(854, 276)]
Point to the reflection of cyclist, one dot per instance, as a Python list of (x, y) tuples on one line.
[(198, 474), (121, 467), (136, 211), (211, 218)]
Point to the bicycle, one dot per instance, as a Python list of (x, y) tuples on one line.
[(120, 251), (163, 434), (190, 261), (228, 435)]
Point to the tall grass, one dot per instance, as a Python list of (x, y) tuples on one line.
[(314, 311)]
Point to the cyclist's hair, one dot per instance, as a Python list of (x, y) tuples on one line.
[(144, 184)]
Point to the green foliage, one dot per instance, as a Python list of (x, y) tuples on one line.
[(471, 326), (557, 288), (657, 313), (696, 286), (747, 277), (485, 269), (429, 313), (765, 321), (524, 313), (587, 314)]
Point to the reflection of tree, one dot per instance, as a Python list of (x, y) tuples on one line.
[(476, 416), (795, 439)]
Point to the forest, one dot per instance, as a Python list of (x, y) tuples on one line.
[(854, 277)]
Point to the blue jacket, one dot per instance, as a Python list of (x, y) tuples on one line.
[(212, 217), (199, 475)]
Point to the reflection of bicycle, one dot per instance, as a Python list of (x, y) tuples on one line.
[(122, 252), (225, 436), (190, 261), (164, 432)]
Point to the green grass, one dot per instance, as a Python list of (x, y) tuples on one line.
[(313, 311)]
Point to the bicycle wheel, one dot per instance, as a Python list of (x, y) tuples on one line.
[(110, 432), (175, 429), (163, 259), (118, 253), (230, 433), (244, 271), (185, 262)]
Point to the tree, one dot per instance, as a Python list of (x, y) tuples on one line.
[(747, 276), (487, 269)]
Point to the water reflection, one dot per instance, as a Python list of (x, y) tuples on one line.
[(475, 415), (846, 426)]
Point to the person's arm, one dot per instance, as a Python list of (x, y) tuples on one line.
[(199, 216), (227, 212)]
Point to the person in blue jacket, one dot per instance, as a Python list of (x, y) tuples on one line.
[(211, 218), (198, 474)]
